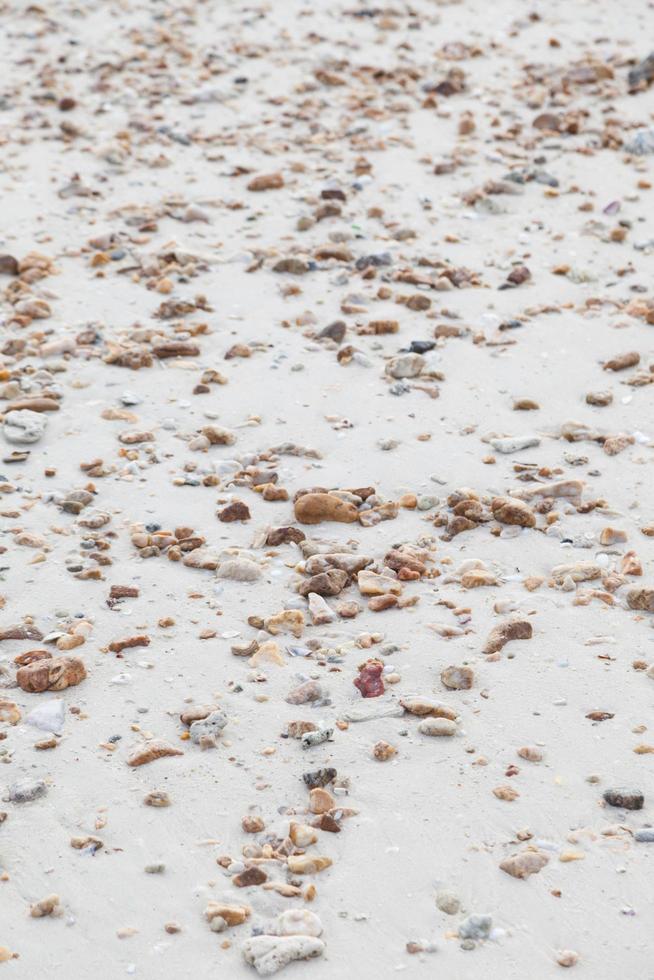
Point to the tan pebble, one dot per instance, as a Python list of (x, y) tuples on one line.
[(266, 182), (630, 564), (232, 915), (382, 751), (477, 578), (508, 510), (437, 727), (296, 729), (507, 793), (499, 636), (9, 712), (55, 674), (320, 801), (530, 753), (253, 825), (46, 906), (567, 856), (305, 864), (198, 712), (81, 842), (313, 508), (267, 653), (301, 834), (147, 752), (380, 603), (567, 957), (641, 599), (288, 620), (527, 863), (457, 678), (424, 707), (172, 927), (46, 743), (599, 398), (612, 535)]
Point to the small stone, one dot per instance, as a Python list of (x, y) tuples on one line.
[(301, 834), (448, 902), (251, 876), (405, 366), (567, 957), (297, 922), (157, 798), (9, 712), (266, 182), (319, 777), (46, 906), (24, 427), (476, 927), (236, 511), (307, 864), (382, 751), (269, 954), (208, 728), (26, 790), (436, 727), (253, 825), (305, 693), (147, 752), (599, 398), (320, 801), (232, 915), (509, 510), (499, 636), (525, 863), (530, 753), (457, 678), (506, 793), (238, 570), (626, 799), (426, 707), (641, 599), (314, 508), (54, 674), (514, 444)]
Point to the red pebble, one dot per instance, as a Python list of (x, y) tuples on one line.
[(369, 681)]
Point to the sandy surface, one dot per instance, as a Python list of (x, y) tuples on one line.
[(130, 134)]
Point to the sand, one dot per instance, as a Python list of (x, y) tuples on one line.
[(176, 108)]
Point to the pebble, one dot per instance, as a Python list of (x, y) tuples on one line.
[(437, 727), (626, 799), (457, 678), (476, 927), (24, 427), (26, 791), (269, 954), (524, 864), (448, 902), (514, 444)]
